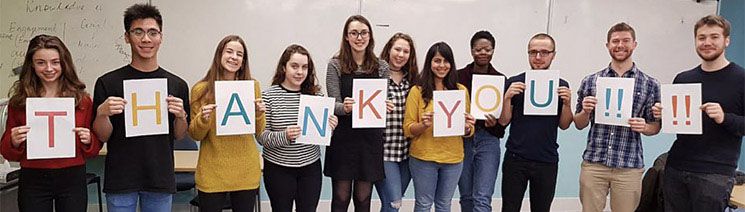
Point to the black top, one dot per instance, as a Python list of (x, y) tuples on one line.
[(143, 163), (533, 137), (718, 148), (465, 76)]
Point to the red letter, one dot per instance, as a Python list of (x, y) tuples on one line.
[(50, 120), (449, 113)]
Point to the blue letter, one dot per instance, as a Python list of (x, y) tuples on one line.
[(309, 113), (241, 112), (550, 94)]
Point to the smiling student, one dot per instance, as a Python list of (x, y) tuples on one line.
[(354, 160), (132, 174), (49, 184), (400, 53), (292, 171), (436, 162)]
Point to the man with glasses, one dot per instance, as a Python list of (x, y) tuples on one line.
[(481, 152), (139, 168), (532, 152), (613, 160)]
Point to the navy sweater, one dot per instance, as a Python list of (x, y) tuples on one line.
[(718, 148)]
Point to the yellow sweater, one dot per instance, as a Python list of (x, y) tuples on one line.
[(226, 163), (425, 146)]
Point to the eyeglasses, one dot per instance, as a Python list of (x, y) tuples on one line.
[(355, 34), (140, 33), (534, 53)]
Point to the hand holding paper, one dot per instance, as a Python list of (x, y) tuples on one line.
[(348, 104), (657, 110), (260, 106), (112, 106), (84, 134), (470, 122), (206, 111), (566, 96), (588, 104), (176, 106), (292, 132), (714, 111), (427, 119), (638, 124), (514, 89), (18, 135), (389, 105)]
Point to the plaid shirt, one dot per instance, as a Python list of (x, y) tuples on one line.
[(396, 146), (618, 146)]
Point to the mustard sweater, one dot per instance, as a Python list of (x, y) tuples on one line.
[(425, 146), (226, 163)]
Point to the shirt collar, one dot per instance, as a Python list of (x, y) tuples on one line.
[(630, 73)]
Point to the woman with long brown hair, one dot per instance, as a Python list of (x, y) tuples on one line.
[(57, 183), (400, 54), (354, 160), (228, 165)]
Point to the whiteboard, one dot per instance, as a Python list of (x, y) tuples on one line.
[(192, 32), (664, 32), (92, 30), (512, 23)]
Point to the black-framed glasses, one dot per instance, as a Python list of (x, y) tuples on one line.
[(355, 34), (140, 33), (544, 53)]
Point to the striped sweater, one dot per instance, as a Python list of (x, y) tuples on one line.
[(281, 111)]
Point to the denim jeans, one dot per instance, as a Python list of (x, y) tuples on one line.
[(434, 183), (391, 189), (690, 191), (480, 167), (149, 202)]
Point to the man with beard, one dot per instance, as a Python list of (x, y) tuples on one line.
[(481, 152), (700, 169), (613, 160), (532, 152)]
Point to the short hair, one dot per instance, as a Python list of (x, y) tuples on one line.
[(621, 27), (543, 36), (483, 34), (713, 20), (141, 11)]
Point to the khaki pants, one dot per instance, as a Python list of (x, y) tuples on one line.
[(624, 184)]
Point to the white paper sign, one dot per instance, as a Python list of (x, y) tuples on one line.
[(615, 97), (52, 121), (449, 109), (541, 92), (146, 112), (486, 95), (680, 113), (369, 110), (313, 119), (235, 112)]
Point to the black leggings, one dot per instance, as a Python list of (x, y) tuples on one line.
[(342, 190), (61, 189), (286, 185), (239, 201)]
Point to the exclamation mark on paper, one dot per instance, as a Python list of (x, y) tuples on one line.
[(675, 110), (620, 100), (607, 102), (688, 110)]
